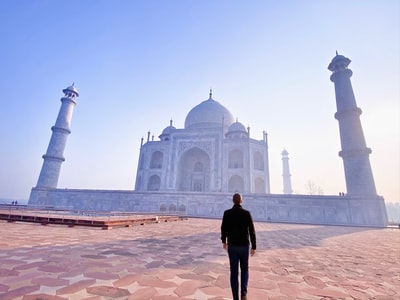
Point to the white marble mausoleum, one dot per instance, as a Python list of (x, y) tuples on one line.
[(213, 153)]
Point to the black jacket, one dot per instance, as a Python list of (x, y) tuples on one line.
[(237, 225)]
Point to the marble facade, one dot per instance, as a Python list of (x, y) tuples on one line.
[(213, 153)]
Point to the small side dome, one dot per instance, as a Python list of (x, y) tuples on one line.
[(168, 130), (164, 136), (237, 127), (237, 130)]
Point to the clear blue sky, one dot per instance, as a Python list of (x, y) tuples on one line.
[(137, 64)]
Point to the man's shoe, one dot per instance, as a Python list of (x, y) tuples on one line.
[(243, 298)]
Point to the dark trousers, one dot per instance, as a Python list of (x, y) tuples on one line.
[(239, 255)]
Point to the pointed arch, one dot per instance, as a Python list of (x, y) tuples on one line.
[(194, 171), (236, 184), (235, 159), (154, 183)]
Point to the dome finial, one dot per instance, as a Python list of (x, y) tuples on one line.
[(210, 93), (337, 53)]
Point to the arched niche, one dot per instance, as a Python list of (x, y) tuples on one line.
[(194, 171)]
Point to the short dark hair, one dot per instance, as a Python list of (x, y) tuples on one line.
[(237, 198)]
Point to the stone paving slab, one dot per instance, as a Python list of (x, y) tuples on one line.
[(185, 260)]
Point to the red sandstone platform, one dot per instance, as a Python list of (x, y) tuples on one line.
[(82, 218), (185, 260)]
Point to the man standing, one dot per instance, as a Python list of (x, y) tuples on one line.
[(236, 228)]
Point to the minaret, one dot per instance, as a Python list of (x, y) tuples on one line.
[(287, 184), (265, 136), (355, 154), (53, 158)]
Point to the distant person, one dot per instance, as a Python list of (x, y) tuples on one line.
[(236, 229)]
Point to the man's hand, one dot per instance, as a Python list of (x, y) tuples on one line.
[(225, 246), (252, 252)]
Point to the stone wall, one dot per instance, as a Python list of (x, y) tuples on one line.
[(329, 210)]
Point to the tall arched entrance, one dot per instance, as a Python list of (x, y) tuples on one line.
[(236, 184), (194, 171)]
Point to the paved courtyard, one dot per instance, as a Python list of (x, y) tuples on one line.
[(185, 260)]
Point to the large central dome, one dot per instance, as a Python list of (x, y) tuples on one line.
[(209, 114)]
